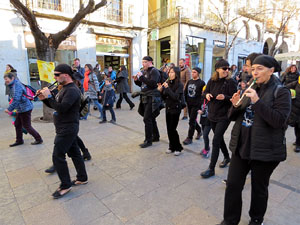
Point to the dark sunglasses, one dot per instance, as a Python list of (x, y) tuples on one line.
[(225, 68), (57, 74)]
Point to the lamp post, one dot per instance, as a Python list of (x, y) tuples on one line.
[(178, 7)]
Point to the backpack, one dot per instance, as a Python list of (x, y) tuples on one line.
[(30, 93), (84, 106)]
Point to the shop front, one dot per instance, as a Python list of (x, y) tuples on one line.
[(114, 52), (65, 53)]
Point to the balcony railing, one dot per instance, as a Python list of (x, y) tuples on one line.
[(115, 12)]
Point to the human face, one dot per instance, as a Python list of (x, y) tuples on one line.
[(293, 69), (181, 63), (146, 64), (7, 68), (60, 77), (110, 69), (86, 69), (107, 83), (223, 72), (195, 75), (7, 80), (248, 67), (261, 73), (172, 74), (76, 63)]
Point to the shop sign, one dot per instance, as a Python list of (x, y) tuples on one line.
[(220, 44), (68, 44), (113, 41), (154, 34)]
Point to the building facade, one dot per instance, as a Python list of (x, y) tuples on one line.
[(114, 35)]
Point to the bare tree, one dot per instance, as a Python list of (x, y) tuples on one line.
[(46, 46)]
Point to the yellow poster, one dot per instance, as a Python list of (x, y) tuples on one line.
[(46, 71)]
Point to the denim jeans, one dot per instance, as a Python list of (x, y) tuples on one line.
[(110, 108), (98, 105)]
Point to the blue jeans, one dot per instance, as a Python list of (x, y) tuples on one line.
[(98, 105), (110, 108)]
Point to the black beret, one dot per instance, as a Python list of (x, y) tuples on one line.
[(148, 58), (197, 69), (267, 61), (221, 63)]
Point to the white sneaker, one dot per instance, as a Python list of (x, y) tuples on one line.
[(177, 153), (168, 151)]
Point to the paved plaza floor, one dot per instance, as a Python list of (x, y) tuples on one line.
[(129, 185)]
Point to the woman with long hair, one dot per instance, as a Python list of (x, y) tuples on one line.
[(91, 88), (219, 91), (123, 87), (172, 91), (290, 75)]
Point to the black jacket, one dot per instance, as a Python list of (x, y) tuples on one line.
[(149, 79), (271, 112), (218, 109), (66, 104), (294, 118), (172, 96), (289, 78)]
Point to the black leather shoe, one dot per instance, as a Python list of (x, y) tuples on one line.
[(155, 139), (224, 163), (16, 144), (255, 222), (37, 142), (208, 173), (51, 169), (131, 107), (146, 144)]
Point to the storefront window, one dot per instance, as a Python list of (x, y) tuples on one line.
[(194, 52), (218, 52)]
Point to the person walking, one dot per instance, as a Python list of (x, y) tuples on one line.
[(91, 88), (193, 95), (206, 127), (66, 121), (123, 87), (185, 76), (257, 142), (219, 91), (76, 66), (23, 106), (150, 100), (108, 97), (172, 93), (290, 75)]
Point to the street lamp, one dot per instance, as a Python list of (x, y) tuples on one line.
[(178, 7)]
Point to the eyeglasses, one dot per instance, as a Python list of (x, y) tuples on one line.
[(57, 74), (225, 68)]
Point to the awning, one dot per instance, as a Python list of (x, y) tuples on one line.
[(295, 56)]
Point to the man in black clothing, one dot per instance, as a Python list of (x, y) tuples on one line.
[(150, 100), (66, 121), (80, 70)]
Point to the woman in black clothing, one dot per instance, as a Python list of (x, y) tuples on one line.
[(291, 74), (193, 94), (172, 92), (219, 91)]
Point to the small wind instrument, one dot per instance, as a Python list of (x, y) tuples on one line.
[(244, 94)]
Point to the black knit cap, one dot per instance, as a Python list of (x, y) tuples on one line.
[(267, 61), (64, 68), (197, 69), (148, 58), (221, 63)]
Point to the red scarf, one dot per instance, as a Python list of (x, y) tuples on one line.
[(86, 80)]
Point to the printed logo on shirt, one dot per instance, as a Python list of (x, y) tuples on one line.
[(191, 90), (248, 117)]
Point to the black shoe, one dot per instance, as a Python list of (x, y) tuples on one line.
[(51, 169), (37, 142), (297, 149), (146, 144), (208, 173), (132, 106), (95, 108), (184, 118), (224, 163), (199, 134), (103, 121), (187, 141), (155, 139), (86, 155), (255, 222), (16, 144)]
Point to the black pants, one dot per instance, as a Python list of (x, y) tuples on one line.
[(193, 124), (124, 95), (260, 177), (219, 129), (297, 134), (151, 130), (63, 145), (110, 108), (81, 145), (172, 122), (206, 129)]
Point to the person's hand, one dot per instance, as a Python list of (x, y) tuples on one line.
[(209, 96), (220, 97), (237, 78), (7, 111), (235, 98), (107, 104), (135, 78), (100, 97), (159, 87), (165, 84), (200, 112), (252, 94)]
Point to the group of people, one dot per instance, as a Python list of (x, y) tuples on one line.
[(260, 109)]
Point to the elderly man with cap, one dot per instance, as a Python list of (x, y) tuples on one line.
[(150, 100), (66, 121), (257, 140)]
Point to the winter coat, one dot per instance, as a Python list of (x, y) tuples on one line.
[(122, 82), (289, 78), (93, 89), (172, 96), (294, 118), (17, 92), (271, 112), (108, 96)]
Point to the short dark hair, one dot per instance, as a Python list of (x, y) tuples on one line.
[(9, 75), (108, 79), (89, 66), (123, 68), (253, 56), (76, 59), (183, 59)]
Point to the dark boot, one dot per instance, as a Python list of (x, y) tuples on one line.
[(208, 173), (16, 144), (225, 162), (51, 169), (187, 141), (146, 144)]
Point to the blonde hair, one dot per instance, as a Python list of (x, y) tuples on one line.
[(216, 76)]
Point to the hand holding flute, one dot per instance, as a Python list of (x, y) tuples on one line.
[(249, 92), (45, 92)]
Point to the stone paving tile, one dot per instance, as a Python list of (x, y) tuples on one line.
[(22, 176), (108, 219), (125, 205), (85, 209), (6, 195), (113, 167), (11, 215)]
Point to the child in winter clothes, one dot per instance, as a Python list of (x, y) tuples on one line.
[(204, 121), (108, 98)]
